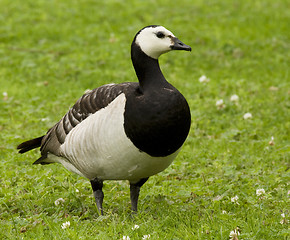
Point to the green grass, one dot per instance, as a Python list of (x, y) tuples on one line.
[(52, 51)]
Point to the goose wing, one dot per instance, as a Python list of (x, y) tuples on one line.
[(89, 103)]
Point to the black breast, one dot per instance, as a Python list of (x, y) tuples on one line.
[(157, 122)]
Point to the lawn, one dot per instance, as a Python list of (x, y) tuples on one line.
[(232, 173)]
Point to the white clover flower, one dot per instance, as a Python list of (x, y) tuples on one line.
[(271, 141), (247, 116), (5, 96), (220, 104), (59, 201), (135, 227), (234, 235), (234, 98), (235, 199), (260, 191), (284, 220), (65, 225), (146, 237), (45, 119), (217, 198), (126, 238), (203, 79)]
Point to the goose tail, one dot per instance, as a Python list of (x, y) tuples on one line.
[(29, 145)]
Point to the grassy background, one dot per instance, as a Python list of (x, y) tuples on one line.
[(52, 51)]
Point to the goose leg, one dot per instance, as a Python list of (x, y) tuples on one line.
[(97, 186), (134, 193)]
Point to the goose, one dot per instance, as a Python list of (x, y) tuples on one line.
[(127, 131)]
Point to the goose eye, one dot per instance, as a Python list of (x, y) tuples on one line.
[(160, 35)]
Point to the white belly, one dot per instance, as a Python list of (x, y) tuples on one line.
[(98, 147)]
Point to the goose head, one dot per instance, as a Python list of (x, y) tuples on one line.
[(155, 40)]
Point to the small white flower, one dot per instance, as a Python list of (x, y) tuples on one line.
[(234, 235), (203, 79), (65, 225), (126, 238), (44, 119), (217, 198), (284, 220), (146, 237), (224, 212), (135, 227), (5, 96), (234, 98), (220, 104), (271, 141), (247, 116), (260, 191), (77, 190), (58, 201), (235, 199)]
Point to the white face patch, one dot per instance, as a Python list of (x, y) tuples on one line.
[(155, 41)]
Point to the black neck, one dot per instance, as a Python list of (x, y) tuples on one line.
[(147, 70)]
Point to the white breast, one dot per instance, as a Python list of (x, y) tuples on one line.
[(99, 147)]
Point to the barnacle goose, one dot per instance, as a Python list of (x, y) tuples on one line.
[(128, 131)]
